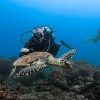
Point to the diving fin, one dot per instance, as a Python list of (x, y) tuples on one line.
[(66, 45)]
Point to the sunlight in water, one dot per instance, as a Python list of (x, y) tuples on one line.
[(71, 7)]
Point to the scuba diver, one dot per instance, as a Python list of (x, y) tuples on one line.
[(96, 38), (42, 39)]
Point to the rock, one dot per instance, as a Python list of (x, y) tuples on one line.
[(81, 82)]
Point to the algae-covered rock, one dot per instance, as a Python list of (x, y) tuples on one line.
[(81, 82)]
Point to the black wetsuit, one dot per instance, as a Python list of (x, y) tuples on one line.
[(47, 45)]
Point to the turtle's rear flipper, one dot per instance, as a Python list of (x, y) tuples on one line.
[(12, 72), (28, 70), (65, 59)]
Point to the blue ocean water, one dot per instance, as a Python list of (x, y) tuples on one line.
[(73, 20)]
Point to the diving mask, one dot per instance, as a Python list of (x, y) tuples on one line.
[(38, 34)]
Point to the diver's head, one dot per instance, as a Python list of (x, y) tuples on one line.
[(38, 34)]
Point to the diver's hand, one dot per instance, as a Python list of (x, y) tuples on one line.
[(25, 50)]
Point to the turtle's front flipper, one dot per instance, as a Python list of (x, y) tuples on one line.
[(28, 70), (68, 55), (64, 60)]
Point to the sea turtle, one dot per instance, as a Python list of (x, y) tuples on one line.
[(35, 61)]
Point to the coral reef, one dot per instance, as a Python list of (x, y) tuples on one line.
[(81, 82)]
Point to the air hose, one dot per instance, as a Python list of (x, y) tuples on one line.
[(22, 36)]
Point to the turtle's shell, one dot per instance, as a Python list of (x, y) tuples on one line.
[(32, 58)]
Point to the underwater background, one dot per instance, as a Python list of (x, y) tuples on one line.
[(73, 20)]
